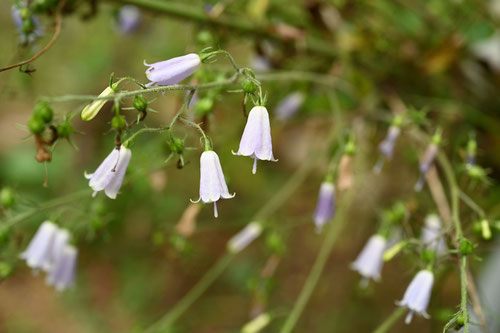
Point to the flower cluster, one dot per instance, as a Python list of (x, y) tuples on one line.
[(50, 251)]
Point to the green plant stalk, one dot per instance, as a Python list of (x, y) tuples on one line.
[(333, 232), (455, 208), (391, 320)]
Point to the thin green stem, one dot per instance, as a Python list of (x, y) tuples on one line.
[(210, 276), (391, 320), (319, 264), (471, 203), (455, 208), (130, 140), (47, 205), (206, 145), (132, 93), (177, 115)]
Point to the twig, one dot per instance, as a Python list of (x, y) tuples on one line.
[(49, 44)]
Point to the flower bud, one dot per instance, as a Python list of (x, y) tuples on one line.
[(24, 13), (177, 146), (204, 37), (465, 247), (249, 86), (64, 129), (140, 103), (118, 122), (428, 256), (43, 111), (204, 106), (275, 243), (7, 197), (28, 26), (485, 229), (393, 251), (91, 110), (36, 125)]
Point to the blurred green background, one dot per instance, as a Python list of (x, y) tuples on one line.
[(133, 264)]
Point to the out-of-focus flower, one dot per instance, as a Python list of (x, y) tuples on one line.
[(28, 25), (427, 160), (187, 223), (432, 235), (289, 106), (345, 176), (129, 19), (91, 110), (418, 295), (243, 238), (39, 253), (260, 64), (369, 262), (256, 139), (212, 182), (62, 275), (325, 208), (172, 71), (109, 175)]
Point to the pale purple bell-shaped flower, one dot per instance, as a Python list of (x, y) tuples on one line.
[(62, 274), (212, 182), (325, 208), (109, 175), (38, 30), (386, 147), (426, 163), (129, 19), (369, 262), (418, 295), (39, 253), (172, 71), (243, 238), (256, 139), (260, 63), (289, 106), (432, 235)]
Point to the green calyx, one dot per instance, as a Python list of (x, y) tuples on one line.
[(118, 122), (140, 103), (43, 111)]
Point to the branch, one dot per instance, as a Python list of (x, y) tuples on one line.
[(49, 44)]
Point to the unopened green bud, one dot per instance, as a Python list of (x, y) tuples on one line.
[(5, 269), (36, 125), (350, 148), (393, 251), (257, 324), (485, 229), (91, 110), (204, 106), (43, 111), (249, 86), (118, 122), (428, 256), (24, 13), (275, 242), (140, 103), (28, 26), (476, 172), (460, 320), (465, 247), (7, 197), (64, 129), (204, 37), (177, 146)]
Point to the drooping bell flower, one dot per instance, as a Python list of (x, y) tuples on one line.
[(62, 275), (370, 261), (243, 238), (418, 295), (109, 175), (212, 182), (428, 160), (91, 110), (39, 253), (325, 208), (432, 235), (172, 71), (129, 19), (289, 106), (256, 139), (386, 147)]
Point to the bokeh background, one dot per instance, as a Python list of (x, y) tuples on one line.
[(135, 264)]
